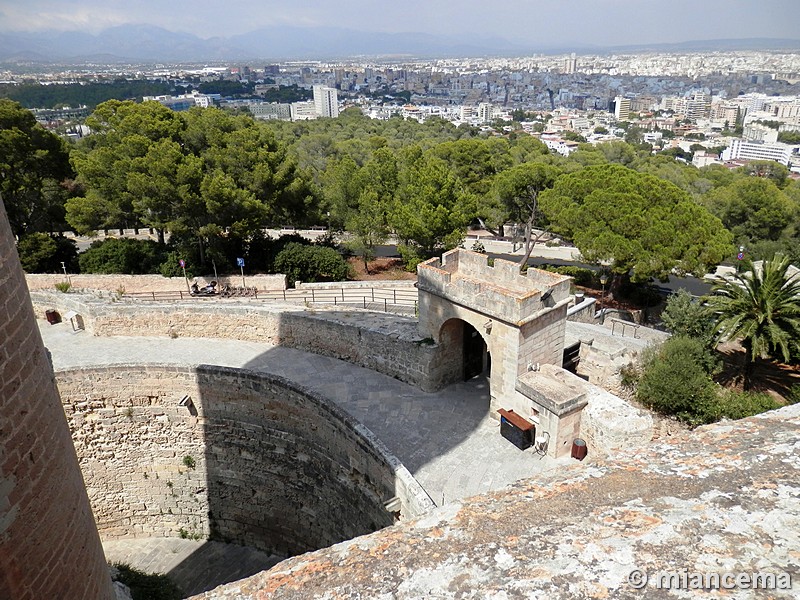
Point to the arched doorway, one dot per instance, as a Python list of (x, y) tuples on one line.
[(465, 352)]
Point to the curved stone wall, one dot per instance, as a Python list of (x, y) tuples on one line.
[(230, 454)]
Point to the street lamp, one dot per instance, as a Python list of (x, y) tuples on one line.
[(603, 282)]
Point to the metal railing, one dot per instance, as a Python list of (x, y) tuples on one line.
[(373, 298)]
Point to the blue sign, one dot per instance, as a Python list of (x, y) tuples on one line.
[(182, 263), (740, 256), (239, 262)]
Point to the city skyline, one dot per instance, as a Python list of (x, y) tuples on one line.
[(581, 23)]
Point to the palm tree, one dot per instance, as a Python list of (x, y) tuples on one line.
[(762, 308)]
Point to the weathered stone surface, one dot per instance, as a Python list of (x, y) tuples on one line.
[(147, 283), (385, 343), (243, 456), (49, 547), (722, 499)]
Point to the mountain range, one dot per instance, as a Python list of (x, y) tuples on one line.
[(147, 43)]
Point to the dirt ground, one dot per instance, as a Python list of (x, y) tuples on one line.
[(771, 377), (380, 269)]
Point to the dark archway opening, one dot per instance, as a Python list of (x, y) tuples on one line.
[(476, 359)]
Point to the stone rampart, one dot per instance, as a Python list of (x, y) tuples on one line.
[(229, 454), (388, 344), (147, 283), (49, 547), (499, 291)]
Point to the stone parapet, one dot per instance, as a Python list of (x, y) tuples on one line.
[(499, 291), (385, 343), (147, 283)]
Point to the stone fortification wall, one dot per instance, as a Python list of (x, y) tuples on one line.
[(409, 284), (385, 343), (147, 283), (583, 311), (253, 458), (49, 547), (500, 291)]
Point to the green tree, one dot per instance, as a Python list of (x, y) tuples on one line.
[(43, 253), (752, 208), (642, 226), (310, 263), (518, 190), (33, 165), (687, 317), (431, 211), (122, 255), (761, 307)]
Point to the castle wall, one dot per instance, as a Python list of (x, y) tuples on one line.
[(384, 343), (258, 460), (146, 283), (49, 547)]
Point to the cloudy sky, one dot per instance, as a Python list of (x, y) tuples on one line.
[(604, 22)]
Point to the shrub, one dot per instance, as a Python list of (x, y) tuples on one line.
[(148, 587), (676, 380), (732, 404), (171, 267), (63, 286), (310, 263), (685, 316), (42, 253), (132, 257)]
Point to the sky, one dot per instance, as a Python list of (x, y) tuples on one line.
[(546, 22)]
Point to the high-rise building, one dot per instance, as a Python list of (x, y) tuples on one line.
[(622, 108), (326, 101), (570, 64)]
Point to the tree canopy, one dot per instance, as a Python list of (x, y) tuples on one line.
[(641, 225), (34, 165)]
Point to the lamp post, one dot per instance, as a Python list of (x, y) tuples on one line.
[(603, 282)]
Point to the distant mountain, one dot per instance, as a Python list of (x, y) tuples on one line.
[(147, 43), (714, 46)]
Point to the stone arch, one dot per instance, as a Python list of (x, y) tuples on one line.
[(520, 317), (465, 349)]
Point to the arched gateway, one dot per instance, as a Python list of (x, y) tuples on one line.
[(520, 318)]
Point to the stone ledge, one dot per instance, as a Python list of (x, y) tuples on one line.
[(555, 389)]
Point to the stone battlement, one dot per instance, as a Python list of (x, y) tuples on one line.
[(499, 291)]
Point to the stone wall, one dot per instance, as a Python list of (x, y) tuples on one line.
[(520, 317), (132, 284), (385, 343), (252, 458), (583, 311), (49, 547)]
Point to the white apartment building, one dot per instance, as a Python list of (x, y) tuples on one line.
[(744, 150), (326, 101), (303, 111), (755, 132), (271, 110)]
